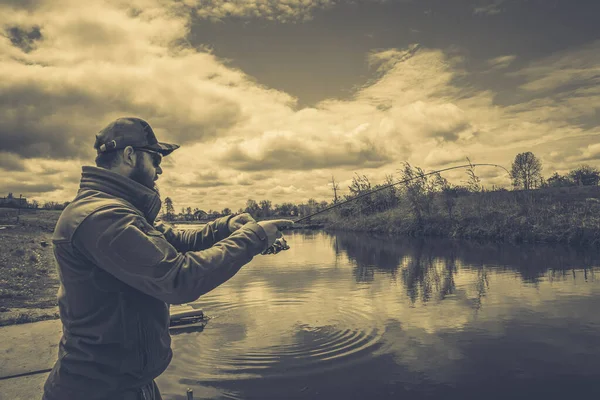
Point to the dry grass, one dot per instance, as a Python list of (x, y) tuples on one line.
[(565, 215), (28, 277)]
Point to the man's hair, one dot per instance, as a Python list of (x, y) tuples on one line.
[(109, 159)]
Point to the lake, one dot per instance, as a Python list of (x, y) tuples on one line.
[(352, 315)]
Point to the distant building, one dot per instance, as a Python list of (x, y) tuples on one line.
[(12, 201)]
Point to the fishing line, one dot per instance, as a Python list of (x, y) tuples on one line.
[(394, 184)]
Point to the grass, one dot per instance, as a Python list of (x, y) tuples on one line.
[(555, 215), (28, 276)]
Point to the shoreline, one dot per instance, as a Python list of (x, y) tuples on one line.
[(567, 216)]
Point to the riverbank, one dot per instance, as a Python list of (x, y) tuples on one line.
[(553, 215), (29, 281), (28, 277)]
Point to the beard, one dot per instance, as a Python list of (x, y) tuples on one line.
[(143, 177)]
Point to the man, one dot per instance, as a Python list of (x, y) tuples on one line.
[(119, 272)]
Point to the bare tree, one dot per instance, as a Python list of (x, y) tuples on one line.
[(335, 187), (526, 170)]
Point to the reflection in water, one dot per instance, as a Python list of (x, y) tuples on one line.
[(350, 315), (428, 266)]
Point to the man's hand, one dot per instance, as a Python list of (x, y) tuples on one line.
[(272, 228), (238, 221)]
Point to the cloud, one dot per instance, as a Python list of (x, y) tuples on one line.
[(444, 155), (568, 69), (199, 179), (25, 40), (488, 7), (589, 153), (385, 60), (271, 10), (288, 150), (282, 11), (501, 62), (98, 63), (75, 68), (30, 188), (11, 162)]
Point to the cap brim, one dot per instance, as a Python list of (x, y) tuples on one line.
[(163, 148)]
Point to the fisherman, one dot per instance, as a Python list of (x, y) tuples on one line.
[(119, 271)]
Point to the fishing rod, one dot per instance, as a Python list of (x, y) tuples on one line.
[(394, 184)]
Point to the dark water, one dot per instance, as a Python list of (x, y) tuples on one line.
[(342, 316)]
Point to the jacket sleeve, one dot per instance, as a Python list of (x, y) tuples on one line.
[(124, 244), (195, 239)]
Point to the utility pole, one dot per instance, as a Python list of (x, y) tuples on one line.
[(19, 208), (335, 188)]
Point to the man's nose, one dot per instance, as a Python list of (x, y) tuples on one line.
[(158, 170)]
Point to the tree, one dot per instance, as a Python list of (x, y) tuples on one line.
[(265, 207), (585, 175), (226, 211), (335, 188), (284, 209), (420, 189), (526, 170), (360, 185), (558, 180), (252, 208), (169, 209)]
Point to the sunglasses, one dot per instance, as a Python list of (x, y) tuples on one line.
[(156, 156)]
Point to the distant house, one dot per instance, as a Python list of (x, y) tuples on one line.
[(11, 201)]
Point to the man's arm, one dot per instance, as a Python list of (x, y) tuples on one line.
[(122, 243), (195, 239)]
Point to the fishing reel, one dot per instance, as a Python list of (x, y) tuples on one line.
[(279, 245)]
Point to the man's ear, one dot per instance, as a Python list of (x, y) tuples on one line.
[(129, 156)]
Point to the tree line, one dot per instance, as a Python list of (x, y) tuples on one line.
[(21, 202), (525, 173), (419, 192)]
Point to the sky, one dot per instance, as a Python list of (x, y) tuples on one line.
[(271, 99)]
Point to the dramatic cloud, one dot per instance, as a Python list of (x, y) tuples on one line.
[(11, 162), (569, 69), (282, 11), (25, 40), (289, 150), (272, 10), (69, 69), (98, 63)]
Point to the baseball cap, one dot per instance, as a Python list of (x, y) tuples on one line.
[(130, 131)]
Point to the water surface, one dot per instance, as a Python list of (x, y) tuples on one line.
[(350, 315)]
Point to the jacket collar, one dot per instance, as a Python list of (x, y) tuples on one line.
[(144, 199)]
